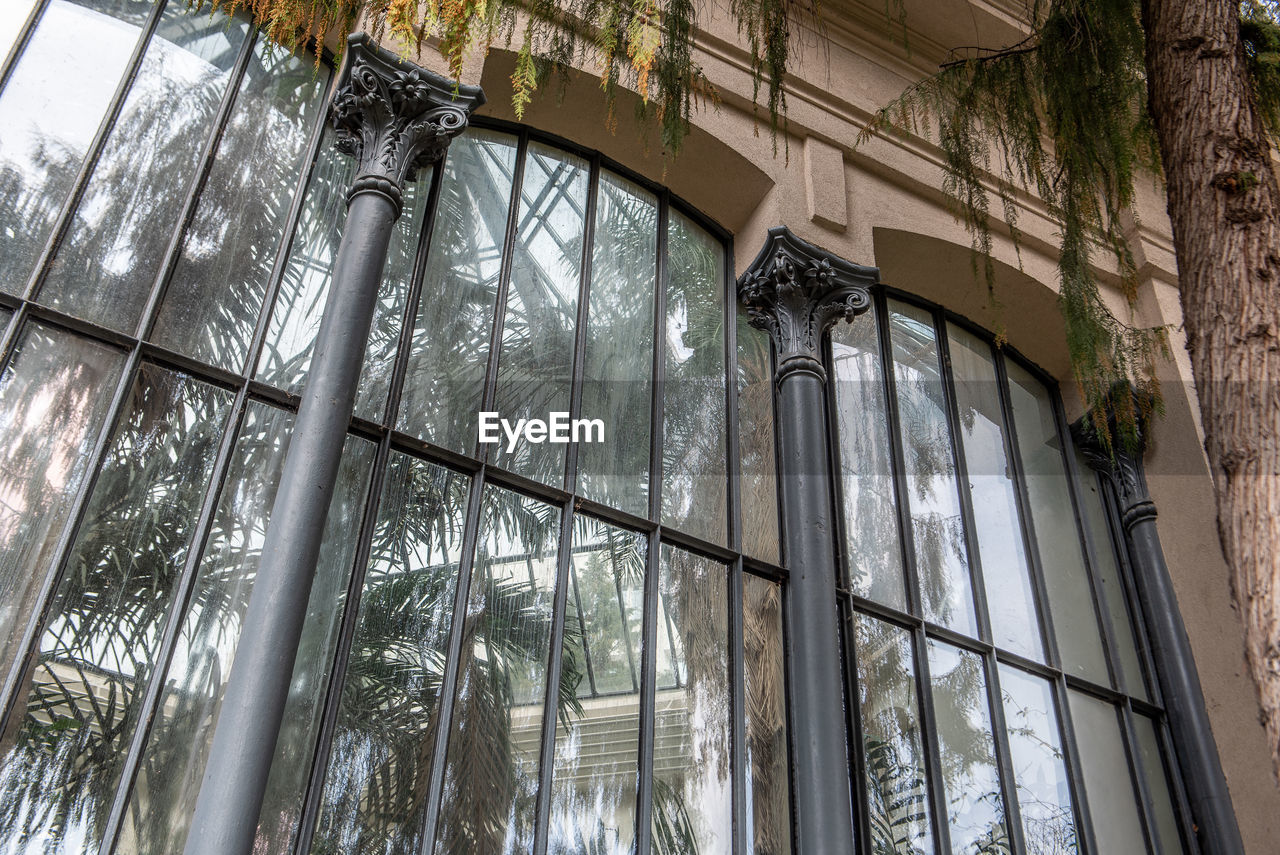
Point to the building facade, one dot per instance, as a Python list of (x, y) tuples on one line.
[(833, 575)]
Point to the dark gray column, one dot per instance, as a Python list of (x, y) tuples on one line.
[(1175, 667), (795, 292), (393, 118)]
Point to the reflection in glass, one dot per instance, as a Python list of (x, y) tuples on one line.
[(758, 478), (768, 787), (11, 25), (618, 365), (970, 779), (304, 287), (50, 110), (1107, 569), (692, 798), (897, 796), (54, 395), (1039, 772), (115, 246), (84, 689), (1058, 539), (218, 285), (1169, 841), (381, 755), (1015, 624), (491, 776), (873, 548), (594, 780), (536, 362), (444, 383), (177, 749), (937, 529), (693, 436), (1108, 786)]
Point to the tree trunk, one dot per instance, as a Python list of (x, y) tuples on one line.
[(1224, 205)]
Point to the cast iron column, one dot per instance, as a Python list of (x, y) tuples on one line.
[(394, 118), (795, 292), (1175, 667)]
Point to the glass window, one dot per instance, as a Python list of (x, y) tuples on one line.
[(1108, 785), (1039, 771), (768, 785), (758, 457)]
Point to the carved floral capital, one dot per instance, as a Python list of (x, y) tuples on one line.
[(395, 118), (796, 291), (1119, 461)]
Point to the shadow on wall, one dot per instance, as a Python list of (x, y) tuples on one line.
[(1023, 308), (708, 174)]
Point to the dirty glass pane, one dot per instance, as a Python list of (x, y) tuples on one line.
[(1113, 806), (211, 306), (382, 746), (1165, 820), (692, 792), (1107, 568), (1015, 623), (11, 25), (768, 785), (54, 396), (897, 795), (491, 776), (758, 479), (873, 544), (1039, 770), (50, 111), (538, 328), (1057, 537), (97, 651), (444, 384), (694, 482), (942, 561), (618, 366), (594, 781), (173, 764), (970, 778), (109, 260)]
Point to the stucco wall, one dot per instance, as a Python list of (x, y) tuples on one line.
[(881, 203)]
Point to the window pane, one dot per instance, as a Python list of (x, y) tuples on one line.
[(84, 691), (50, 111), (873, 544), (108, 263), (937, 529), (1108, 786), (898, 798), (970, 779), (445, 381), (1108, 574), (758, 478), (1058, 539), (1044, 794), (11, 24), (299, 305), (694, 483), (173, 765), (215, 295), (593, 796), (491, 777), (617, 381), (1166, 821), (54, 396), (692, 792), (768, 784), (542, 306), (381, 754), (1015, 624)]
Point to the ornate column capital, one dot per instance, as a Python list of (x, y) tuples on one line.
[(795, 291), (1119, 461), (394, 117)]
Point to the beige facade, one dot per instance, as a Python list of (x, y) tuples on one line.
[(880, 202)]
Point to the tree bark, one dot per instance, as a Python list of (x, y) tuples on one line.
[(1224, 206)]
